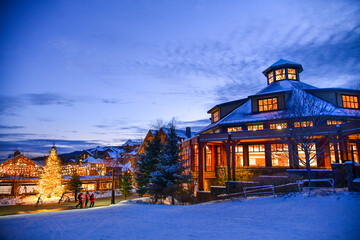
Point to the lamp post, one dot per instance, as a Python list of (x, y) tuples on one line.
[(113, 187)]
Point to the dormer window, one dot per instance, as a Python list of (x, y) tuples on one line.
[(268, 104), (216, 116), (280, 74), (350, 101), (291, 74)]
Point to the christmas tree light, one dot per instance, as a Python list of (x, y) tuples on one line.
[(50, 180)]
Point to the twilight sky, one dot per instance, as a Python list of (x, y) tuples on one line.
[(88, 73)]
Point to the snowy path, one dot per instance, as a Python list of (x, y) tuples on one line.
[(297, 217)]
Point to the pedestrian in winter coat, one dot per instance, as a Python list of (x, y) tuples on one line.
[(87, 196), (92, 200), (80, 198)]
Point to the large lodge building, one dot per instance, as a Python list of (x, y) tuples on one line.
[(253, 132)]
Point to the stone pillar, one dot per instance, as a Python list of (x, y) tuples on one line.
[(228, 163)]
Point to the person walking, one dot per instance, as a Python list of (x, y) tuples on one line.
[(87, 196), (80, 198), (92, 200)]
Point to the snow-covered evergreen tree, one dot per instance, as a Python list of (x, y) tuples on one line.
[(171, 172), (147, 164), (50, 180), (125, 185)]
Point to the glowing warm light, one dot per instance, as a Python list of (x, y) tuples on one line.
[(50, 180)]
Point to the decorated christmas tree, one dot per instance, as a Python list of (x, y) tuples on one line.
[(50, 181)]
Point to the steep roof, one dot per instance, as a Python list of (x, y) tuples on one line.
[(285, 85), (244, 114)]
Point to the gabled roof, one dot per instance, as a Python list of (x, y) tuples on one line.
[(93, 160), (132, 142), (19, 156)]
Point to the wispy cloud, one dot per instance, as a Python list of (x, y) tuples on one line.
[(10, 127)]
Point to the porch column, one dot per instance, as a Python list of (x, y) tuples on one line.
[(192, 157), (268, 162), (344, 146), (336, 150), (213, 157), (228, 157), (294, 159), (233, 145), (246, 155), (201, 166)]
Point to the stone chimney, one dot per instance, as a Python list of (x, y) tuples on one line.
[(188, 132)]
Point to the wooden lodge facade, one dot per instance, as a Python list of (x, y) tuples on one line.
[(257, 131)]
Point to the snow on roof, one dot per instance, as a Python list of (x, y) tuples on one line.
[(244, 114), (285, 85), (93, 160), (126, 167), (179, 133), (132, 142), (284, 62)]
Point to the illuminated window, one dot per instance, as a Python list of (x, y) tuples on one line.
[(268, 104), (279, 155), (354, 151), (208, 162), (196, 160), (216, 116), (221, 161), (257, 155), (234, 129), (255, 127), (333, 122), (333, 152), (239, 155), (312, 152), (271, 77), (279, 74), (291, 74), (304, 124), (278, 125), (350, 101)]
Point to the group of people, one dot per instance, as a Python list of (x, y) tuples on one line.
[(87, 197)]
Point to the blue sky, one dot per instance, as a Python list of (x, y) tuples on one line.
[(87, 73)]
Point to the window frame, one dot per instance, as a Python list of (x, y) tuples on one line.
[(267, 105), (350, 102)]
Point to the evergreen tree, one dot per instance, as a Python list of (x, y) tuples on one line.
[(50, 180), (171, 172), (125, 185), (147, 164), (74, 184)]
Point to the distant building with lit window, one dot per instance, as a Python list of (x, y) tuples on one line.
[(250, 132)]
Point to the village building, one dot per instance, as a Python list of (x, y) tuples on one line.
[(251, 133)]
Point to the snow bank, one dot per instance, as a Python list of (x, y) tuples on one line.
[(294, 216)]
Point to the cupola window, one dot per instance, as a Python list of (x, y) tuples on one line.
[(271, 77), (291, 74), (280, 74)]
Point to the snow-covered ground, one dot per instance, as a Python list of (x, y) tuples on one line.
[(296, 216), (32, 199)]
